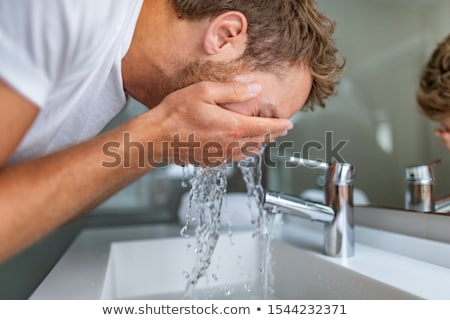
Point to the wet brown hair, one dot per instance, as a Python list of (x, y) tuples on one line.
[(434, 91), (281, 33)]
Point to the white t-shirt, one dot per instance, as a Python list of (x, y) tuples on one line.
[(65, 56)]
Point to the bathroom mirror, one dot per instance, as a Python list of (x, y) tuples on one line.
[(373, 122)]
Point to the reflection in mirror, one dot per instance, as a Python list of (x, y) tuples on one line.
[(373, 122)]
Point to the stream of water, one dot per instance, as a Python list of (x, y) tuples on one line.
[(251, 169), (208, 188)]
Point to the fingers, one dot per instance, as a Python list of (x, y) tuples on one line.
[(228, 92), (218, 94), (213, 153), (246, 126), (276, 127), (247, 149)]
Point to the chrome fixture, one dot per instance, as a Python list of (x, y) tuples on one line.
[(419, 193), (337, 211), (420, 189)]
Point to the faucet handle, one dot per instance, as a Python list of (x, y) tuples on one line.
[(422, 174), (419, 193)]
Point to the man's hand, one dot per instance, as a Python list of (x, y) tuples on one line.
[(198, 131)]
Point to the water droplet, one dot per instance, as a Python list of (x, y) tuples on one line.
[(184, 232), (185, 274), (227, 291)]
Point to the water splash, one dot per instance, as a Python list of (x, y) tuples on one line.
[(208, 186), (251, 169)]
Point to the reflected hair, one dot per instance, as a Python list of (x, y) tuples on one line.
[(281, 33), (433, 95)]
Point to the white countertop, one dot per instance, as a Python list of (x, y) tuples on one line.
[(418, 267)]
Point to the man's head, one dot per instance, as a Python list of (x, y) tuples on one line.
[(280, 34), (285, 44), (434, 92)]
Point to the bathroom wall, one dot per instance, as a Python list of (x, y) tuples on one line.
[(385, 43)]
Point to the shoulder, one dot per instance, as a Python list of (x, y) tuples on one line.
[(42, 41)]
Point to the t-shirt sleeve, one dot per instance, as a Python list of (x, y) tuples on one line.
[(40, 41), (23, 50), (48, 47)]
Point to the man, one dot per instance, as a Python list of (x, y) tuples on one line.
[(228, 72), (434, 92)]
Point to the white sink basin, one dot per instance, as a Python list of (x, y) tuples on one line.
[(123, 263), (157, 269)]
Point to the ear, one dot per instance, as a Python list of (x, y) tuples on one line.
[(226, 36)]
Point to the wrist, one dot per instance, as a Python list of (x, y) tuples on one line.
[(135, 145)]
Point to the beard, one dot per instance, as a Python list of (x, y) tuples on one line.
[(209, 71)]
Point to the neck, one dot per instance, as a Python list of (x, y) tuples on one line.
[(143, 47), (161, 43)]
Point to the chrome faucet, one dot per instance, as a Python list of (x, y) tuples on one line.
[(337, 212), (420, 189)]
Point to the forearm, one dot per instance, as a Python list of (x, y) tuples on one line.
[(40, 195)]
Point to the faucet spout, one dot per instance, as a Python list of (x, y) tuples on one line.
[(298, 207), (337, 213)]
